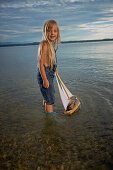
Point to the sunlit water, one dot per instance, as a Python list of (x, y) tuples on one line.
[(32, 140)]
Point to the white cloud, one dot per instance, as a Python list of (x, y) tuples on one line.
[(71, 1), (13, 31), (7, 16), (70, 38), (24, 30), (32, 30), (35, 3), (24, 4), (71, 27), (4, 36), (98, 30), (108, 10)]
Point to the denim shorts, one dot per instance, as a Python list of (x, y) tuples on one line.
[(47, 93)]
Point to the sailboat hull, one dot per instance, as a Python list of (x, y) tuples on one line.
[(73, 106)]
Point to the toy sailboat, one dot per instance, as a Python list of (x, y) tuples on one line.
[(70, 102)]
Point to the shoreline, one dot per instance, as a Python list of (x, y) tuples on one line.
[(63, 42)]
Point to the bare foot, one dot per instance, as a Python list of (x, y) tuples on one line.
[(48, 107)]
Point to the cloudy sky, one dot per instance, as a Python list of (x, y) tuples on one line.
[(22, 20)]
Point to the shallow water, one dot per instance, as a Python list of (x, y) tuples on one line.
[(32, 140)]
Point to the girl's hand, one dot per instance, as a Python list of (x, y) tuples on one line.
[(46, 83)]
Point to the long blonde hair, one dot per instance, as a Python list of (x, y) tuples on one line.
[(51, 48)]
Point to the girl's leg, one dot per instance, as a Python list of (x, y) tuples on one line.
[(48, 107)]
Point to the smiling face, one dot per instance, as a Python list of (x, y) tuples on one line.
[(52, 33)]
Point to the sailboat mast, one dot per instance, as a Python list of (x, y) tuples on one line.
[(63, 87)]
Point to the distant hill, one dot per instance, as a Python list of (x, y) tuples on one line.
[(82, 41), (17, 44), (7, 44)]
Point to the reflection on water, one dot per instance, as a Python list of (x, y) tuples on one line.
[(32, 140)]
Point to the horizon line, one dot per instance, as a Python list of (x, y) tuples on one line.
[(37, 43)]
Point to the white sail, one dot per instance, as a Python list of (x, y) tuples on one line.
[(69, 93), (64, 98)]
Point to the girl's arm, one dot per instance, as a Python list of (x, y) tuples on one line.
[(41, 66)]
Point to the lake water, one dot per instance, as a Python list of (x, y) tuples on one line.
[(30, 139)]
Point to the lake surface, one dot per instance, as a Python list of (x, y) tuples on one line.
[(32, 140)]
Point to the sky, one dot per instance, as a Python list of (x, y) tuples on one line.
[(22, 20)]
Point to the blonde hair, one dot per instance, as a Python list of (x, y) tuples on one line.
[(51, 51)]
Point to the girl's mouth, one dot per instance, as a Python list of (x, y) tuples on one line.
[(52, 36)]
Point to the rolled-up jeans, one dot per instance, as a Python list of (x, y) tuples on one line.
[(47, 93)]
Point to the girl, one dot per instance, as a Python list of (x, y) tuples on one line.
[(47, 63)]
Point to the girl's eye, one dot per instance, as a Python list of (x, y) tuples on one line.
[(53, 31)]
